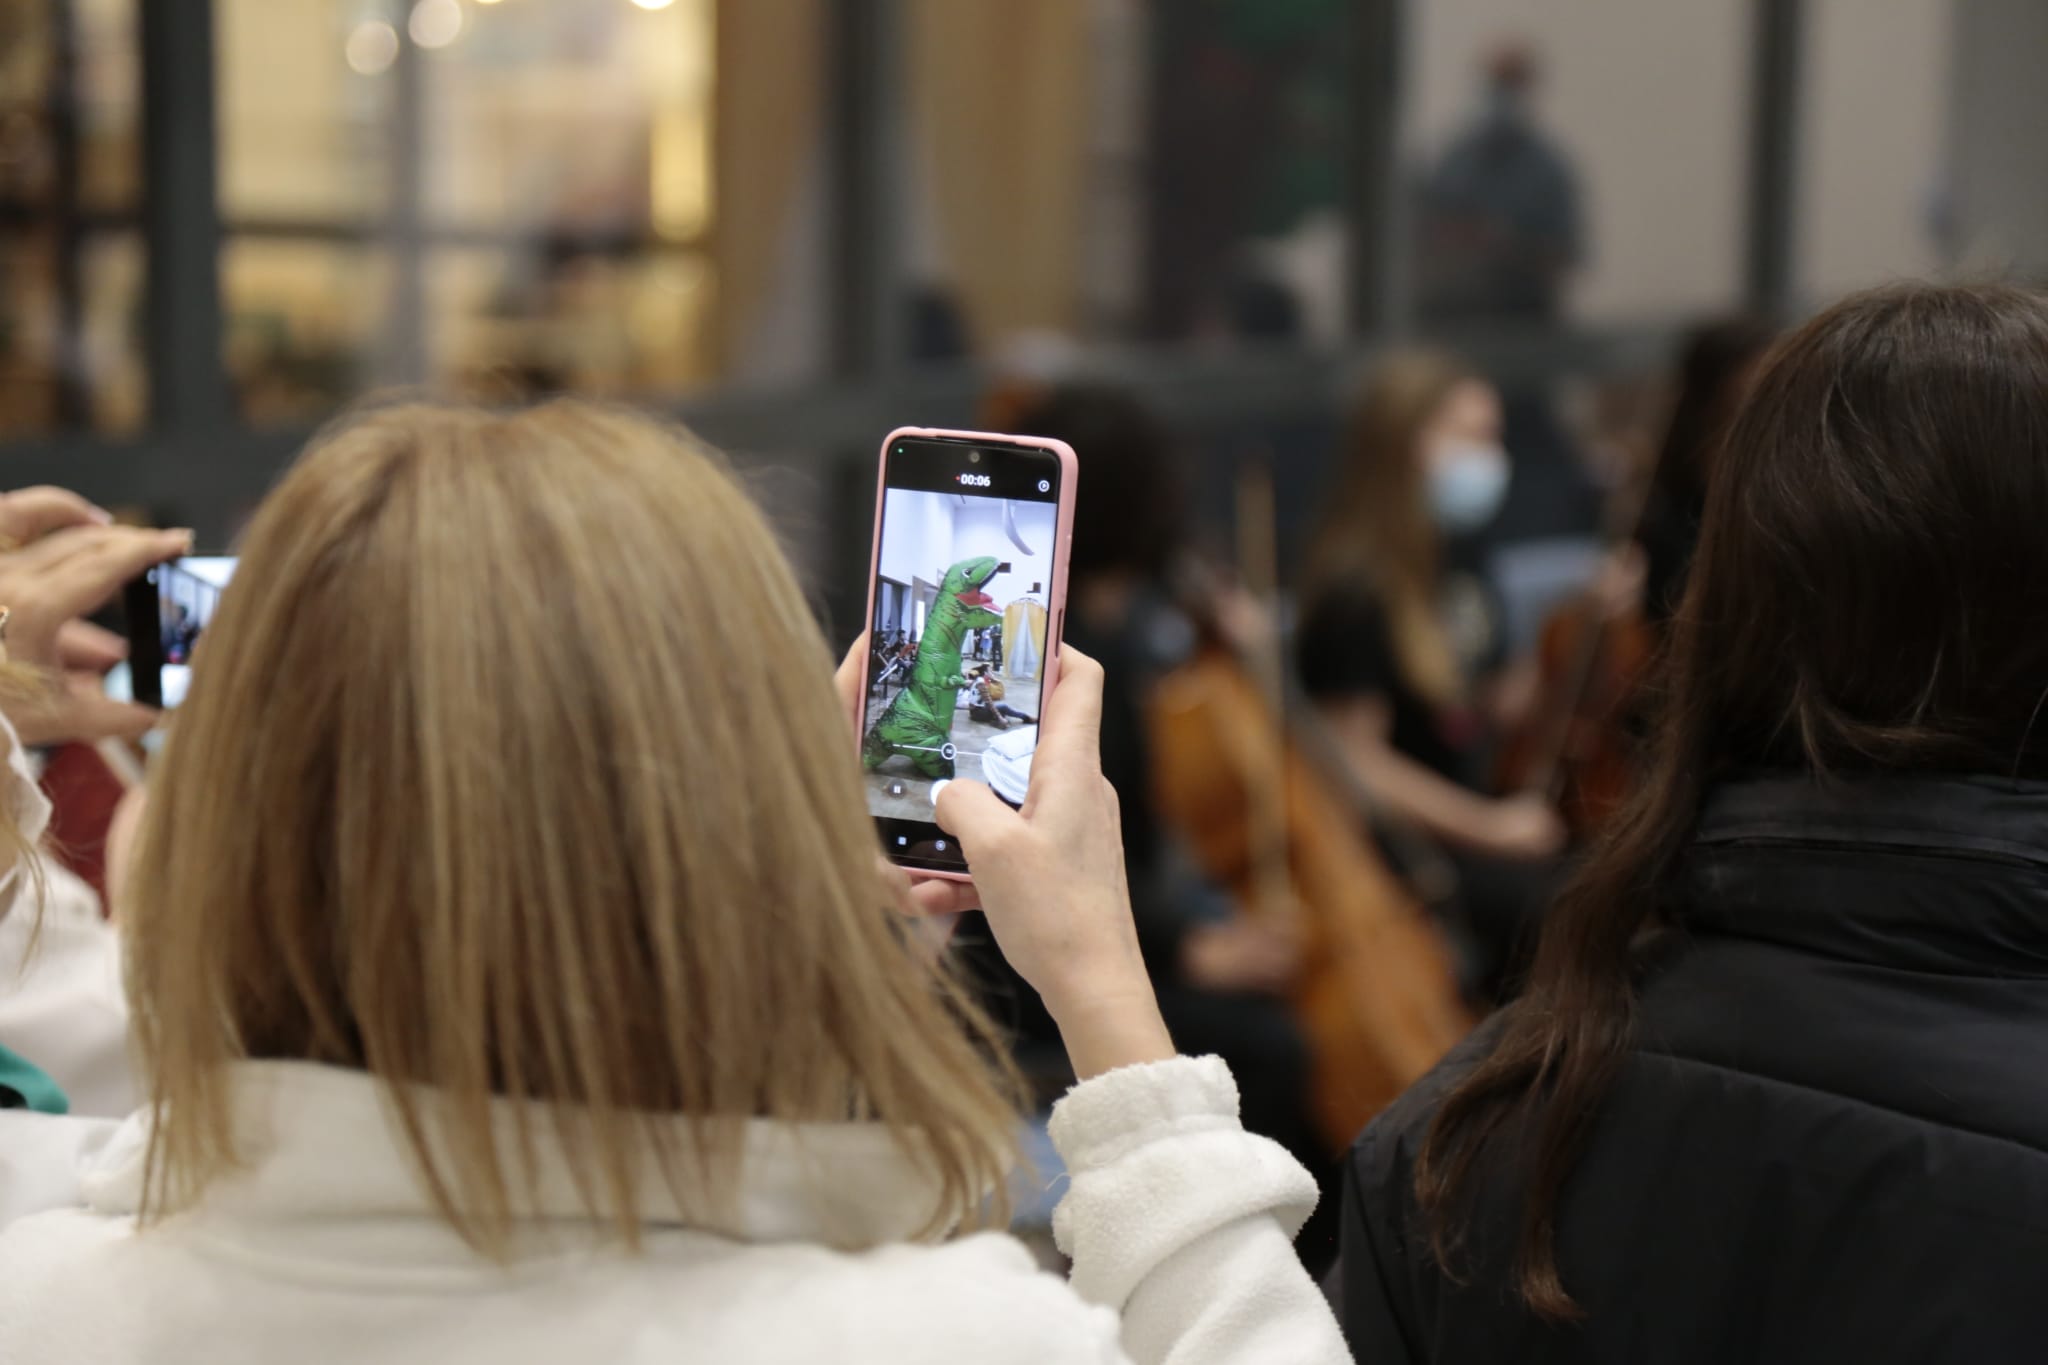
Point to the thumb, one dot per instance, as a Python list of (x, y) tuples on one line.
[(976, 816)]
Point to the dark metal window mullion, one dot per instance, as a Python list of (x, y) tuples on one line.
[(1376, 217), (1777, 57), (183, 344)]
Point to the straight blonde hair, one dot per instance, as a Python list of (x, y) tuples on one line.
[(1377, 531), (512, 770)]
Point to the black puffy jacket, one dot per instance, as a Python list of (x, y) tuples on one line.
[(1831, 1141)]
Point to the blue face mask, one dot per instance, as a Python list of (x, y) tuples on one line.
[(1467, 484)]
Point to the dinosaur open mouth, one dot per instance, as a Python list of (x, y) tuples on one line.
[(974, 597)]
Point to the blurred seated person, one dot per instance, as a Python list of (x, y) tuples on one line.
[(985, 702), (1399, 638), (512, 1012)]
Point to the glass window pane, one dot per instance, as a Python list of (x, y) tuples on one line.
[(111, 355), (28, 333), (1245, 236), (1580, 160), (302, 319), (1101, 170), (304, 92), (614, 197), (70, 265), (506, 322), (109, 93)]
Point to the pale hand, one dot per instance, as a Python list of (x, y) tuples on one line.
[(61, 561), (1526, 828), (1050, 878)]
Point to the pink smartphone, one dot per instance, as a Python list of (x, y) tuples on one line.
[(967, 594)]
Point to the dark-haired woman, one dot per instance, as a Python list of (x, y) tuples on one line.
[(1775, 1089)]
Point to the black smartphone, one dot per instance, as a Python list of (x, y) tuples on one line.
[(168, 609)]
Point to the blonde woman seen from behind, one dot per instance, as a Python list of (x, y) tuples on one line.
[(516, 979)]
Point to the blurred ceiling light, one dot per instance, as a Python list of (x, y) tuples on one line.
[(435, 23), (654, 4), (487, 2), (371, 48)]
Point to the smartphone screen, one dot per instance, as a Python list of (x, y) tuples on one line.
[(965, 601), (169, 608)]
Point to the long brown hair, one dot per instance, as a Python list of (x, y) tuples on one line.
[(1377, 531), (1869, 595), (512, 770)]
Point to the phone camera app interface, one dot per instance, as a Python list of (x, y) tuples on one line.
[(957, 649), (187, 593)]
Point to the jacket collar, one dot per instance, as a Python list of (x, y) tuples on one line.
[(1931, 874), (319, 1142)]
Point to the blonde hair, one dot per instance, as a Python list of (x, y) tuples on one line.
[(512, 770), (1378, 530), (27, 890)]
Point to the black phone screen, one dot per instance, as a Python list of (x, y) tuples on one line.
[(168, 609)]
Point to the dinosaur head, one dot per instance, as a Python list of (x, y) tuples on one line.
[(964, 583)]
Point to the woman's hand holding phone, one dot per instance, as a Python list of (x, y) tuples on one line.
[(61, 559), (1050, 878)]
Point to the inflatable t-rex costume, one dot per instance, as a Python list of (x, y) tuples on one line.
[(919, 722)]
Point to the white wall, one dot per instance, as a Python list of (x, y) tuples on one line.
[(1999, 117), (1650, 100), (917, 528), (980, 532), (926, 533), (1873, 116)]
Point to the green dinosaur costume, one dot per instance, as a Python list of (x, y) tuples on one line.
[(919, 722)]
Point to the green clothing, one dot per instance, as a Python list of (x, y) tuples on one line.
[(23, 1086)]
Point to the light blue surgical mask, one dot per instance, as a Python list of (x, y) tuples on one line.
[(1467, 484)]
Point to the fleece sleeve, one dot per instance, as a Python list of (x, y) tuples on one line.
[(1183, 1222)]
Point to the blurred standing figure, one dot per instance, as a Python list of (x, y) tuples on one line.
[(1500, 223)]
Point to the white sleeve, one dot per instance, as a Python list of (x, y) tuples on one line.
[(1184, 1223), (62, 1006), (44, 1158)]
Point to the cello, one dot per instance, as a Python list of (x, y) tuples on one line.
[(1269, 816)]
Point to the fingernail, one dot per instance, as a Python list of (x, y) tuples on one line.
[(103, 516)]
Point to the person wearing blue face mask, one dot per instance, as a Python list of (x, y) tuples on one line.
[(1400, 645)]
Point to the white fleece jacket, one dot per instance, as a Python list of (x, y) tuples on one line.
[(322, 1249), (62, 1005)]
